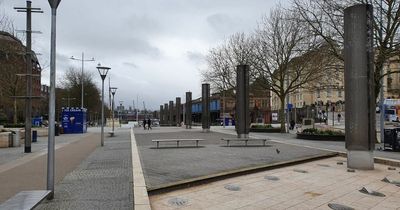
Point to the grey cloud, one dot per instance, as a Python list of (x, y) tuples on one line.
[(195, 56), (130, 64), (223, 23)]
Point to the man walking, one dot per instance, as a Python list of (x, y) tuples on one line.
[(149, 124), (144, 124)]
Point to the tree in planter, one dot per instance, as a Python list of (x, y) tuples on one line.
[(286, 55)]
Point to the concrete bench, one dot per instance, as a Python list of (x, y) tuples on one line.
[(244, 139), (111, 133), (177, 141), (25, 200)]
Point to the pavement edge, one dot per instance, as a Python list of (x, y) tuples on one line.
[(140, 196)]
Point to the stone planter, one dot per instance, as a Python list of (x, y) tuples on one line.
[(321, 137), (4, 139)]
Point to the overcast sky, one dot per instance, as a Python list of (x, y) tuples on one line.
[(155, 48)]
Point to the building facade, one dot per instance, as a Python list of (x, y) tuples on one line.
[(13, 78)]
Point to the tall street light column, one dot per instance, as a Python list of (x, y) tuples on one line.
[(113, 90), (52, 101), (103, 73), (82, 77)]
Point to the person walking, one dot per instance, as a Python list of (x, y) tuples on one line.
[(144, 124), (338, 117), (149, 124)]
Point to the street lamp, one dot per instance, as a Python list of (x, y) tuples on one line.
[(52, 100), (113, 90), (120, 112), (103, 73), (82, 78)]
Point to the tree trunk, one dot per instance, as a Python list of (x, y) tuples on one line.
[(282, 116), (15, 111)]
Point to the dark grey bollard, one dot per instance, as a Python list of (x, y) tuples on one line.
[(188, 109), (178, 111), (242, 101), (171, 113), (205, 101), (161, 114), (359, 89), (166, 114)]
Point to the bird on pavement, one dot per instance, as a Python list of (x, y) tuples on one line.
[(278, 151)]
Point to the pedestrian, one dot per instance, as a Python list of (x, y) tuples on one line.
[(149, 124), (144, 124), (338, 117), (292, 124)]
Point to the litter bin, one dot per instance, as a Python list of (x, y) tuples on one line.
[(57, 130), (34, 136), (391, 139), (16, 139)]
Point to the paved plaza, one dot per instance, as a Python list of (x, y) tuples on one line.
[(168, 164), (311, 185)]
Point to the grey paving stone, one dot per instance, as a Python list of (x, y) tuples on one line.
[(102, 181), (170, 164)]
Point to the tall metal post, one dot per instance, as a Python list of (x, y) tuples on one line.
[(102, 112), (359, 80), (52, 100), (171, 113), (82, 79), (112, 105), (161, 114), (287, 103), (166, 114), (178, 111), (205, 99), (28, 100), (242, 101), (188, 108)]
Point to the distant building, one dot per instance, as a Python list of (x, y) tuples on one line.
[(13, 62)]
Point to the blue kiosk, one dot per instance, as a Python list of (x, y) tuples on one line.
[(74, 120)]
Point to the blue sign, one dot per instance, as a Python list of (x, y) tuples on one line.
[(74, 120), (290, 106)]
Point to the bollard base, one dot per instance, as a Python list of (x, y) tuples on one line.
[(362, 160), (206, 130), (243, 135)]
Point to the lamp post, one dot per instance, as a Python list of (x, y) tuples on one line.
[(120, 112), (82, 78), (103, 73), (52, 101), (113, 90)]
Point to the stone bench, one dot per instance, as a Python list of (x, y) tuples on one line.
[(177, 141), (25, 200), (244, 139)]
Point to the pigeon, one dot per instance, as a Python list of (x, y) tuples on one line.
[(278, 151)]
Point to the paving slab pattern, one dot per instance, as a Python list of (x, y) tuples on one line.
[(170, 164), (325, 182), (102, 181)]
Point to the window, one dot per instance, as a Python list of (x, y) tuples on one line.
[(318, 93), (339, 92), (328, 92)]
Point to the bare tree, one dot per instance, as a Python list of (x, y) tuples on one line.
[(222, 61), (286, 55), (326, 20)]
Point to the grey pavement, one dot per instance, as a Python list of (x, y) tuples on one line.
[(14, 153), (170, 164), (290, 138), (102, 181)]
